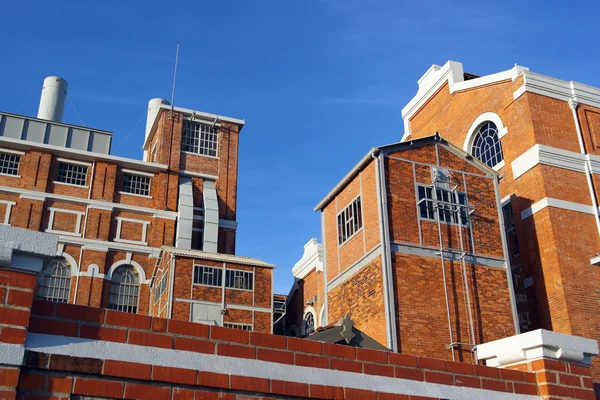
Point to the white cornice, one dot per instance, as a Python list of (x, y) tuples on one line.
[(559, 89), (311, 259), (102, 245), (552, 156), (556, 203)]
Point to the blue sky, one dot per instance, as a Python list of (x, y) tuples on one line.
[(318, 82)]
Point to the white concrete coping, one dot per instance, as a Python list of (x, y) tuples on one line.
[(311, 258), (538, 344), (24, 249)]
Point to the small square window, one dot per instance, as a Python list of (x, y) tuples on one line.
[(9, 164), (72, 174), (136, 184)]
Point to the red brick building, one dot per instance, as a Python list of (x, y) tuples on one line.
[(119, 220), (413, 250), (543, 135)]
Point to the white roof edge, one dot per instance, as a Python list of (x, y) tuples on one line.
[(346, 178), (46, 121), (67, 152), (218, 257)]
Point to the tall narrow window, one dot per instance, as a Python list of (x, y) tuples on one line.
[(72, 174), (199, 138), (55, 281), (9, 164), (124, 289), (486, 145), (349, 221), (511, 236)]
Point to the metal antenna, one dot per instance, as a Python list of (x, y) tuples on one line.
[(174, 78)]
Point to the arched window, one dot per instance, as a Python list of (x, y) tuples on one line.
[(309, 323), (124, 289), (486, 144), (55, 281)]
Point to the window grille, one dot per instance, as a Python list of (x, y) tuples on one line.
[(124, 289), (486, 146), (448, 205), (55, 281), (160, 288), (199, 138), (72, 174), (210, 276), (243, 327), (236, 279), (349, 221), (9, 164), (309, 320), (136, 184)]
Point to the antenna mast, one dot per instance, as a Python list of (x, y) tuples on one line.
[(174, 78)]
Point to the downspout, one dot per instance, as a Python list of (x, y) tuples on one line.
[(171, 277), (386, 256), (588, 173), (511, 289), (325, 288)]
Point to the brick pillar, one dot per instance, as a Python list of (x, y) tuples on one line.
[(560, 362), (22, 256)]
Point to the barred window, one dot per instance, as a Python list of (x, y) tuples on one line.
[(160, 288), (9, 164), (234, 325), (210, 276), (124, 289), (236, 279), (309, 322), (199, 138), (55, 281), (487, 146), (136, 184), (349, 221), (448, 205), (511, 236), (72, 174)]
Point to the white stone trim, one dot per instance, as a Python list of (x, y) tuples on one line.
[(79, 347), (54, 210), (102, 245), (556, 203), (486, 116), (70, 260), (35, 195), (74, 162), (93, 271), (198, 174), (322, 318), (538, 344), (135, 265), (144, 224), (136, 172), (559, 89), (11, 151), (312, 258), (9, 205), (552, 156)]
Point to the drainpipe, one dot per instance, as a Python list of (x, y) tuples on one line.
[(386, 256), (588, 173), (325, 289)]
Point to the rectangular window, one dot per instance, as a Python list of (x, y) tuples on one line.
[(349, 221), (511, 235), (243, 327), (236, 279), (9, 164), (160, 288), (72, 174), (136, 184), (199, 138), (449, 207), (210, 276)]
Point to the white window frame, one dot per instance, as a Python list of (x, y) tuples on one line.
[(216, 133), (9, 205), (144, 224), (54, 210), (436, 211), (216, 270), (77, 163), (472, 132), (13, 153), (353, 216), (251, 273), (139, 288), (137, 173)]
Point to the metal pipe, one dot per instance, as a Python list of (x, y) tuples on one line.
[(325, 289), (588, 173), (171, 276), (386, 261)]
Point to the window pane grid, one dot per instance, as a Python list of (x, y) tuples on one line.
[(309, 320), (236, 279), (72, 174), (449, 212), (486, 146), (199, 138), (55, 284), (9, 164), (136, 184), (234, 325), (160, 289), (349, 221), (124, 290), (209, 276)]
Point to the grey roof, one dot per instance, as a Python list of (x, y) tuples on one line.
[(344, 332), (217, 257)]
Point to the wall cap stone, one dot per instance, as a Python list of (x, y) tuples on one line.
[(536, 344), (20, 248)]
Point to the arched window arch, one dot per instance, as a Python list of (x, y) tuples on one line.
[(322, 321), (54, 283), (124, 289), (486, 144), (309, 321)]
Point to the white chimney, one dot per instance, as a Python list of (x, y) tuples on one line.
[(52, 103), (153, 107)]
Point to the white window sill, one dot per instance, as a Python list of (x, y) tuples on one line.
[(70, 184), (10, 175), (498, 166), (135, 195), (63, 233), (200, 155), (130, 241)]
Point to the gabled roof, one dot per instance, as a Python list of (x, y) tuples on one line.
[(390, 148), (217, 257)]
